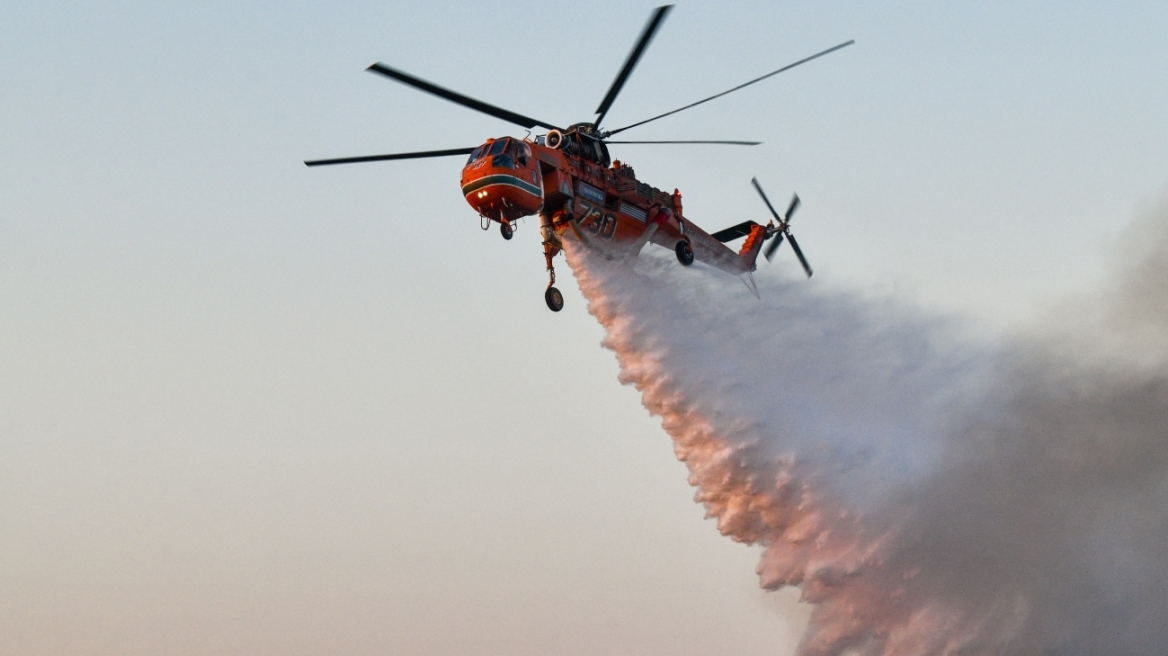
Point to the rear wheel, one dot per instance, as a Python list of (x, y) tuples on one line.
[(555, 300), (506, 229), (685, 254)]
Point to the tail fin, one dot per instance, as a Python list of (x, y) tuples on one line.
[(751, 248)]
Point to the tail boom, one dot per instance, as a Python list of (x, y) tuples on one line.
[(710, 250)]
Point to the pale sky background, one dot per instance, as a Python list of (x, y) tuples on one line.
[(248, 407)]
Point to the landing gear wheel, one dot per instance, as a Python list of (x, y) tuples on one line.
[(506, 230), (685, 254), (555, 300)]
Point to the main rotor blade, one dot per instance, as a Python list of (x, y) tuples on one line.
[(799, 254), (758, 188), (381, 158), (452, 96), (726, 143), (770, 251), (631, 63), (719, 95), (795, 203)]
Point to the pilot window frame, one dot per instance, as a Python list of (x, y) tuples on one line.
[(503, 157), (477, 154)]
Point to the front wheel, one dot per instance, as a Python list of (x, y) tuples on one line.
[(555, 300), (506, 229), (685, 254)]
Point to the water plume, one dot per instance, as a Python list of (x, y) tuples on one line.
[(927, 493)]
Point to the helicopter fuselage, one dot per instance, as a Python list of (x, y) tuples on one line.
[(601, 204)]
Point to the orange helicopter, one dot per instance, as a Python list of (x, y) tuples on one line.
[(567, 177)]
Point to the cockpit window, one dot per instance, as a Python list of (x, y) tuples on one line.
[(477, 154), (502, 153), (523, 154)]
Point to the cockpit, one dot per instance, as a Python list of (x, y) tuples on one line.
[(579, 140), (504, 153)]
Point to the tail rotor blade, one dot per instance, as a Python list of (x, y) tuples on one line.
[(774, 246), (799, 254), (758, 188), (795, 203)]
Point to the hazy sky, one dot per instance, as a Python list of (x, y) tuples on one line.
[(251, 407)]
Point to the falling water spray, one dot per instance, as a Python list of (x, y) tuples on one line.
[(927, 494)]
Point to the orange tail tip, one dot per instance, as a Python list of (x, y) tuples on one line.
[(750, 250)]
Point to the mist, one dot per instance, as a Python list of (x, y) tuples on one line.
[(928, 491)]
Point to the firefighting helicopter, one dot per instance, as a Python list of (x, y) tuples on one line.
[(567, 177)]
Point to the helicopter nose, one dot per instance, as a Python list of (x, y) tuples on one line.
[(501, 189)]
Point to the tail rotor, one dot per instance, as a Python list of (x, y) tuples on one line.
[(781, 227)]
